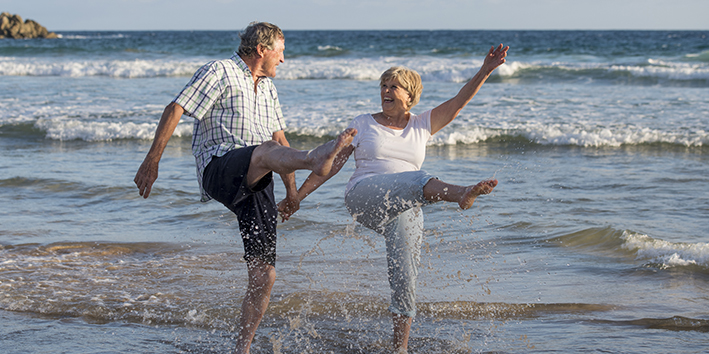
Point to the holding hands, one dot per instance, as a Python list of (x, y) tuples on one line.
[(288, 206)]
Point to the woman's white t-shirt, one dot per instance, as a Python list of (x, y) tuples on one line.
[(380, 150)]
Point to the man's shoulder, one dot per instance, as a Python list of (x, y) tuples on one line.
[(229, 66)]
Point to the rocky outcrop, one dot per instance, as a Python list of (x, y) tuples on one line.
[(11, 26)]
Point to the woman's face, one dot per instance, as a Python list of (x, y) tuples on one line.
[(394, 97)]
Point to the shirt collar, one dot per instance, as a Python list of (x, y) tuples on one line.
[(245, 68), (241, 64)]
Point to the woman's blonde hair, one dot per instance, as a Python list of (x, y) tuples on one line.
[(408, 79)]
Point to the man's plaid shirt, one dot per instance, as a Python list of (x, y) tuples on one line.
[(229, 114)]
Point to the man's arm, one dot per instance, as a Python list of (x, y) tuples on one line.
[(291, 203), (148, 171)]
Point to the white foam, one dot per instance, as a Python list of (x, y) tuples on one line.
[(82, 36), (667, 254), (325, 48), (663, 69), (71, 129), (442, 69), (568, 134), (137, 68), (546, 134), (430, 68)]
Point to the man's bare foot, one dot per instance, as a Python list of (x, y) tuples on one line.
[(323, 156), (472, 192)]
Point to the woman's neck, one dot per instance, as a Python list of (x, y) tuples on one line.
[(393, 121)]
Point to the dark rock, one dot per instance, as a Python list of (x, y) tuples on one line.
[(12, 26)]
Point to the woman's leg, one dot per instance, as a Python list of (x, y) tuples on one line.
[(403, 238), (390, 205), (402, 327), (436, 190), (376, 201)]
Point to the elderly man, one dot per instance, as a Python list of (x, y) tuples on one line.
[(238, 141)]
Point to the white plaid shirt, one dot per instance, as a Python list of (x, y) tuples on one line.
[(228, 113)]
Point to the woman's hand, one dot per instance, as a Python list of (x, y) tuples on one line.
[(494, 58), (288, 207), (447, 111)]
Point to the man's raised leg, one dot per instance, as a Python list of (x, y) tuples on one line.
[(272, 156)]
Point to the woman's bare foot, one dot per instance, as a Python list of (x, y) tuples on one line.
[(472, 192), (323, 156)]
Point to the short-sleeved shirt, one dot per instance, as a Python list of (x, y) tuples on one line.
[(228, 113), (380, 150)]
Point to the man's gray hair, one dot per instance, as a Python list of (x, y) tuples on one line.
[(256, 33)]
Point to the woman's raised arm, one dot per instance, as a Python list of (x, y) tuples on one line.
[(447, 111)]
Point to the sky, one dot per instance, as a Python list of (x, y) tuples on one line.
[(76, 15)]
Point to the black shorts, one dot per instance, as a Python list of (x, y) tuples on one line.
[(225, 181)]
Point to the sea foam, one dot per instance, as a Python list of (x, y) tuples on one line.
[(559, 134), (103, 131), (137, 68), (432, 69), (666, 254)]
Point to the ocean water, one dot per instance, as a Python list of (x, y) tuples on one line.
[(595, 239)]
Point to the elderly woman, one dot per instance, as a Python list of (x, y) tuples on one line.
[(388, 188)]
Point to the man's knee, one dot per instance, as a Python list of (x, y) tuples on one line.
[(261, 153), (261, 272), (265, 147)]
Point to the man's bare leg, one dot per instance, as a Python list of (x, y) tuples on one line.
[(272, 156), (436, 190), (402, 327), (258, 294)]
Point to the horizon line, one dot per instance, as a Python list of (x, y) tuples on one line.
[(400, 29)]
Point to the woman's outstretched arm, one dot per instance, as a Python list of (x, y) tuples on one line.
[(447, 111)]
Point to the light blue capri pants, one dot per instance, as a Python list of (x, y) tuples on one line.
[(390, 204)]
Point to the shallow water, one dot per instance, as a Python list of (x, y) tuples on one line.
[(594, 240), (553, 253)]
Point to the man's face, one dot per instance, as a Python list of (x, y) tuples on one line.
[(272, 58)]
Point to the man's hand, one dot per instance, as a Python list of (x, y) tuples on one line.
[(146, 176), (148, 171)]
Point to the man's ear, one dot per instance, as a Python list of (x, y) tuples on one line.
[(260, 50)]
